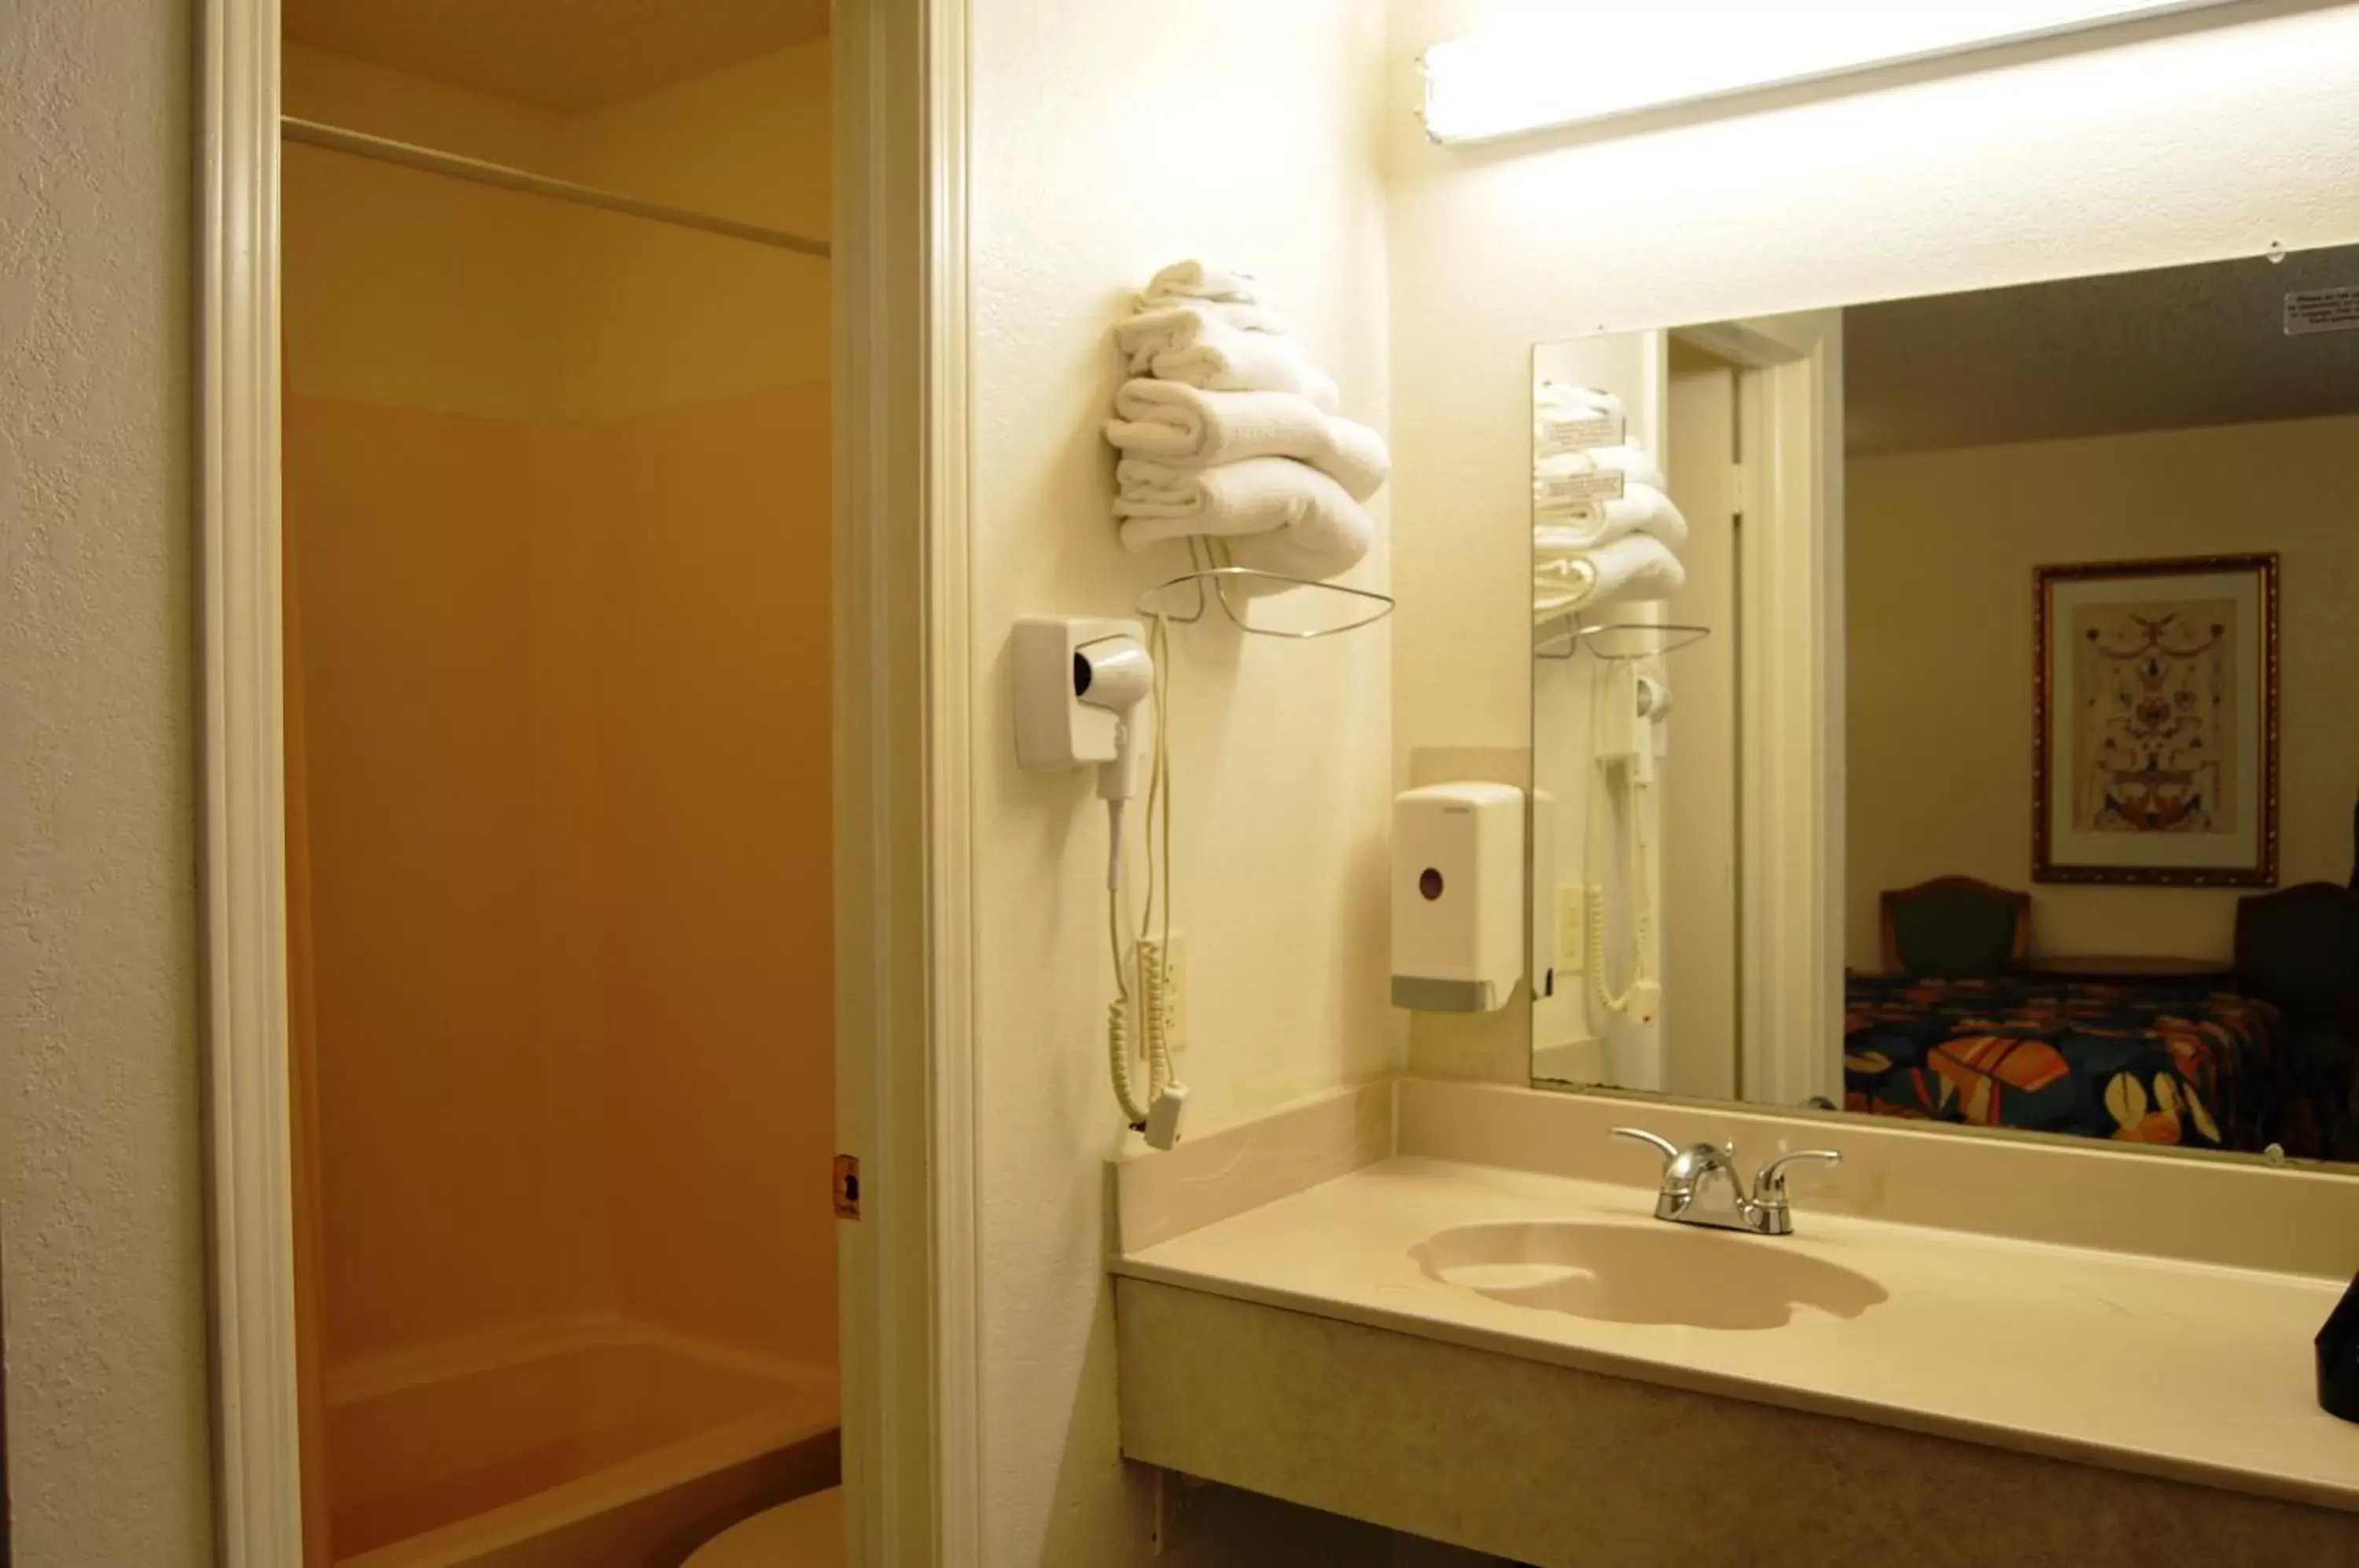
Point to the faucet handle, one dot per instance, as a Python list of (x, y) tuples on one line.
[(1663, 1145), (1770, 1185)]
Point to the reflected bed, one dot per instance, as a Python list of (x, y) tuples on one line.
[(2181, 1064)]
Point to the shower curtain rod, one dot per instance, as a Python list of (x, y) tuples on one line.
[(361, 144)]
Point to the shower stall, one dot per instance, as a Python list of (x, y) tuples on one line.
[(555, 496)]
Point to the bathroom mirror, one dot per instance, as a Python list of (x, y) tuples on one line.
[(1948, 708)]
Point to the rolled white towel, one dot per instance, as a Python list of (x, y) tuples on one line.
[(1172, 423), (1170, 328), (1257, 496), (1228, 359), (1641, 509), (1637, 566), (1185, 281)]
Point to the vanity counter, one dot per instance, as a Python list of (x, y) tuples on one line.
[(2183, 1370)]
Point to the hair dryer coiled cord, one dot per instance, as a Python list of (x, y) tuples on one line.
[(1149, 958), (1633, 872)]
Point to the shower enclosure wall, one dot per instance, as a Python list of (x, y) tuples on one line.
[(556, 501)]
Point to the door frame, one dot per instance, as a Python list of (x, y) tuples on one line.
[(1792, 682), (248, 1105), (905, 1080), (908, 1346)]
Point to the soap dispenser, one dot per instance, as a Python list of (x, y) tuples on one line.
[(1458, 896)]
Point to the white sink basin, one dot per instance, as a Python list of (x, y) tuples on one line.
[(1644, 1272)]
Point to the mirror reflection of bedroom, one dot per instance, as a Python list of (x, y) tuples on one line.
[(2101, 569), (2086, 614)]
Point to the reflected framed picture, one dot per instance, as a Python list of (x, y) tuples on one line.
[(2155, 739)]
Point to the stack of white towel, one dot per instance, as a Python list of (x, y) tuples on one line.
[(1602, 527), (1227, 430)]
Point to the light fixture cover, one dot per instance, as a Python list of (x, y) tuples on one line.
[(1626, 58)]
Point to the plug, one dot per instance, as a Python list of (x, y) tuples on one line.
[(1163, 1117)]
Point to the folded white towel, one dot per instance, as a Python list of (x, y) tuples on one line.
[(1563, 396), (1257, 496), (1328, 543), (1186, 427), (1632, 463), (1561, 586), (1556, 431), (1569, 419), (1168, 329), (1230, 359), (1637, 566), (1598, 475), (1185, 281), (1641, 509)]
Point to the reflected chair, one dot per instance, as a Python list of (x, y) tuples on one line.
[(1955, 927), (2298, 950)]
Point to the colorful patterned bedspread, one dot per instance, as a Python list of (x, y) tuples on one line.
[(2140, 1064)]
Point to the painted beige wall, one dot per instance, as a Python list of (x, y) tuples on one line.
[(2172, 143), (103, 1240), (460, 318), (482, 301), (1107, 141), (1942, 548), (588, 453)]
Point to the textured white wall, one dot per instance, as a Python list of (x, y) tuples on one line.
[(2169, 143), (98, 992), (1109, 140)]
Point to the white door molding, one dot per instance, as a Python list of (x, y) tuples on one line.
[(257, 1457), (905, 1078), (905, 928)]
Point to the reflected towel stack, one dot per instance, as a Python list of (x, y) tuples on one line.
[(1226, 429), (1604, 527)]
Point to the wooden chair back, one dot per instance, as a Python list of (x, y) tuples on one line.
[(1955, 927)]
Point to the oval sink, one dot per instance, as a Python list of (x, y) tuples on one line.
[(1643, 1273)]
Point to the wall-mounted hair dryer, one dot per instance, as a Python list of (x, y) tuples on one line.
[(1078, 685), (1117, 674)]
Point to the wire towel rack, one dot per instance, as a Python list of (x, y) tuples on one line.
[(1212, 565), (1568, 633)]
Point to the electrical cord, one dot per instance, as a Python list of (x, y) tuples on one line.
[(1631, 865)]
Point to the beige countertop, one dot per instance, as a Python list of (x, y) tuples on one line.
[(2188, 1370)]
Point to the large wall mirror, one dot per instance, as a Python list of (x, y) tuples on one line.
[(1948, 708)]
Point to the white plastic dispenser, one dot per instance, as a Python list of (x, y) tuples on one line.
[(1458, 896)]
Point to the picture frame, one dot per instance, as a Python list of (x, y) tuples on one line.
[(2156, 722)]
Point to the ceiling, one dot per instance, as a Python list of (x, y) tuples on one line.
[(566, 55), (2161, 350)]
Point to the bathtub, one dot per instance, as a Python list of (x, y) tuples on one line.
[(611, 1446)]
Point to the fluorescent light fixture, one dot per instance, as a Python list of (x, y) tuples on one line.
[(1624, 56)]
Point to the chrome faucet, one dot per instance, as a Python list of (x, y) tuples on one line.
[(1693, 1175)]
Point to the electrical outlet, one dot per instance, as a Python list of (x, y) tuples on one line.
[(1572, 930), (1175, 991)]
